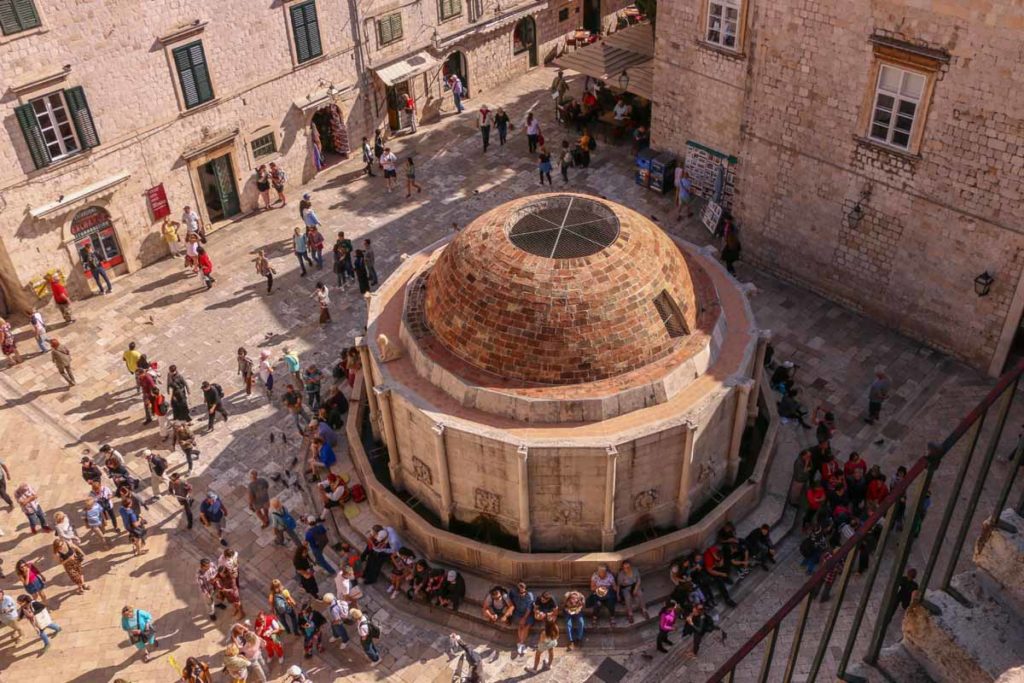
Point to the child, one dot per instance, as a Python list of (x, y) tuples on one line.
[(310, 623)]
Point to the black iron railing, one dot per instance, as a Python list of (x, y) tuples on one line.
[(919, 476)]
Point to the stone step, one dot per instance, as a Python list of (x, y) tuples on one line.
[(966, 643), (999, 553), (895, 665)]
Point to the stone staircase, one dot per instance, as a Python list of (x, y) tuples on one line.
[(972, 634)]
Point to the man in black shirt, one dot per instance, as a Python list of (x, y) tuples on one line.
[(212, 396)]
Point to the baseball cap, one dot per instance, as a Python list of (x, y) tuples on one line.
[(146, 453)]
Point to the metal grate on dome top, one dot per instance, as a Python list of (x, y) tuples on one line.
[(563, 227)]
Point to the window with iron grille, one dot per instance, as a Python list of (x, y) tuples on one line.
[(671, 316), (389, 28), (17, 16), (193, 74), (449, 9), (264, 145), (306, 31), (898, 95), (723, 22)]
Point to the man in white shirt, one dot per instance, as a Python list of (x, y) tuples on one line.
[(192, 223), (389, 162)]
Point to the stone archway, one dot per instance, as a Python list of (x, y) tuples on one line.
[(524, 39)]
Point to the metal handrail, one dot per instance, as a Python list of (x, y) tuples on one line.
[(924, 466)]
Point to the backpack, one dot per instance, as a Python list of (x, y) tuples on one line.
[(358, 493), (320, 537), (218, 390), (159, 465), (807, 547), (289, 521), (372, 630), (280, 604)]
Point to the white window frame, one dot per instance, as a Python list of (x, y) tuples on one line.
[(50, 123), (898, 96), (724, 6)]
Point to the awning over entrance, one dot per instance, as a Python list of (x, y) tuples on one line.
[(71, 198), (630, 50), (396, 72)]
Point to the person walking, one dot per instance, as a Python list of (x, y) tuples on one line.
[(277, 181), (29, 502), (264, 269), (138, 624), (323, 300), (103, 495), (259, 497), (342, 251), (269, 630), (70, 556), (532, 132), (62, 528), (666, 624), (312, 378), (299, 247), (362, 277), (410, 178), (60, 297), (92, 263), (39, 330), (10, 615), (368, 158), (266, 373), (310, 623), (213, 397), (182, 492), (684, 196), (94, 520), (35, 613), (338, 611), (305, 572), (317, 541), (455, 85), (184, 439), (503, 124), (544, 164), (245, 369), (565, 161), (8, 344), (378, 145), (178, 388), (370, 259), (157, 468), (135, 526), (192, 253), (214, 516), (196, 672), (315, 242), (162, 410), (484, 120), (284, 523), (878, 392), (389, 162), (368, 634), (32, 580), (61, 357), (291, 360), (193, 225), (627, 582), (206, 267)]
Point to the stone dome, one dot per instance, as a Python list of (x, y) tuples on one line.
[(560, 289)]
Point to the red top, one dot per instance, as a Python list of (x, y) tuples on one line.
[(877, 490), (205, 264), (815, 497), (829, 468), (60, 294), (711, 557), (850, 466)]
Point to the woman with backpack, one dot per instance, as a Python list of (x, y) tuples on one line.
[(368, 634), (283, 605), (283, 523)]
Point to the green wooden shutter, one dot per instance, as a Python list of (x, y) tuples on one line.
[(33, 135), (190, 60), (396, 26), (306, 30), (17, 16), (390, 28), (80, 114)]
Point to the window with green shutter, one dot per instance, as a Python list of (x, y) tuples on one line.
[(449, 9), (190, 61), (57, 126), (17, 16), (306, 30), (389, 28)]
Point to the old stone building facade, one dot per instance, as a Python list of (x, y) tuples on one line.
[(873, 152), (117, 113)]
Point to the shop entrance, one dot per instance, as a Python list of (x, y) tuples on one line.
[(93, 226), (329, 135), (456, 64), (217, 183), (592, 16), (524, 39)]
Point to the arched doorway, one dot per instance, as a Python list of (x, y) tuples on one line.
[(93, 225), (456, 64), (524, 39), (329, 136)]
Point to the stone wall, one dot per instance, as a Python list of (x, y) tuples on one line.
[(793, 107)]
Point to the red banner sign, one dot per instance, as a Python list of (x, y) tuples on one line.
[(158, 202)]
